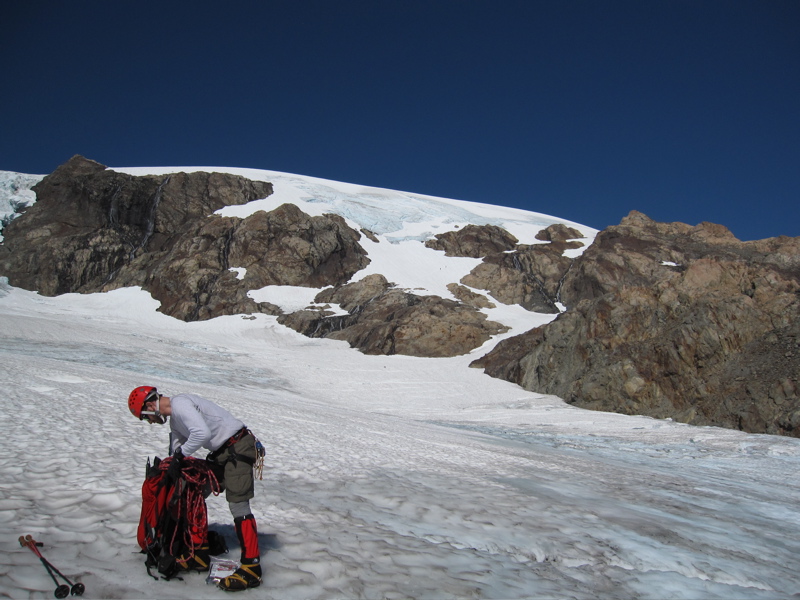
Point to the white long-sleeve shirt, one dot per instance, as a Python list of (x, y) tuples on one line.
[(199, 423)]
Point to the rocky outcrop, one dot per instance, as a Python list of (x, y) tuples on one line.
[(194, 281), (672, 321), (512, 273), (90, 222), (467, 296), (93, 230), (370, 235), (530, 276), (473, 241), (558, 232), (384, 320)]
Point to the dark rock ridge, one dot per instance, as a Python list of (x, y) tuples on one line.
[(672, 321), (93, 229), (382, 319)]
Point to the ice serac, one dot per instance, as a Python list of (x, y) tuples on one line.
[(670, 320)]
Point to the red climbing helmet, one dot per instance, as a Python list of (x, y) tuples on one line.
[(139, 397)]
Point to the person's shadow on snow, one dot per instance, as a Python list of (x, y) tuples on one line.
[(266, 541)]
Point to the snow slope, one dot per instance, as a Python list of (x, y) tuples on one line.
[(388, 477)]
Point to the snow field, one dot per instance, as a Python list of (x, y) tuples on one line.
[(386, 477)]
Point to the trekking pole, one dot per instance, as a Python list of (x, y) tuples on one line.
[(62, 591), (76, 589)]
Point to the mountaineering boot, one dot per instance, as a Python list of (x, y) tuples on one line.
[(249, 574), (199, 562), (246, 576)]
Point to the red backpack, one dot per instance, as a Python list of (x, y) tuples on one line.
[(174, 519)]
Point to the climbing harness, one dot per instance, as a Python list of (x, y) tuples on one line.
[(257, 462)]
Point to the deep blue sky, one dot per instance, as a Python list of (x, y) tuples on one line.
[(685, 110)]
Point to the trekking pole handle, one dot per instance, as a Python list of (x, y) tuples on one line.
[(29, 540)]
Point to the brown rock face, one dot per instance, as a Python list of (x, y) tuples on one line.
[(467, 296), (558, 233), (512, 273), (93, 230), (530, 276), (283, 247), (673, 321), (473, 241), (385, 320), (89, 222)]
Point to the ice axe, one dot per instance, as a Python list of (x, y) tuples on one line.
[(63, 590)]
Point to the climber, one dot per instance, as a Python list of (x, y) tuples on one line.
[(199, 423)]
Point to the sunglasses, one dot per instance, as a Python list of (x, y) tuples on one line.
[(151, 397)]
